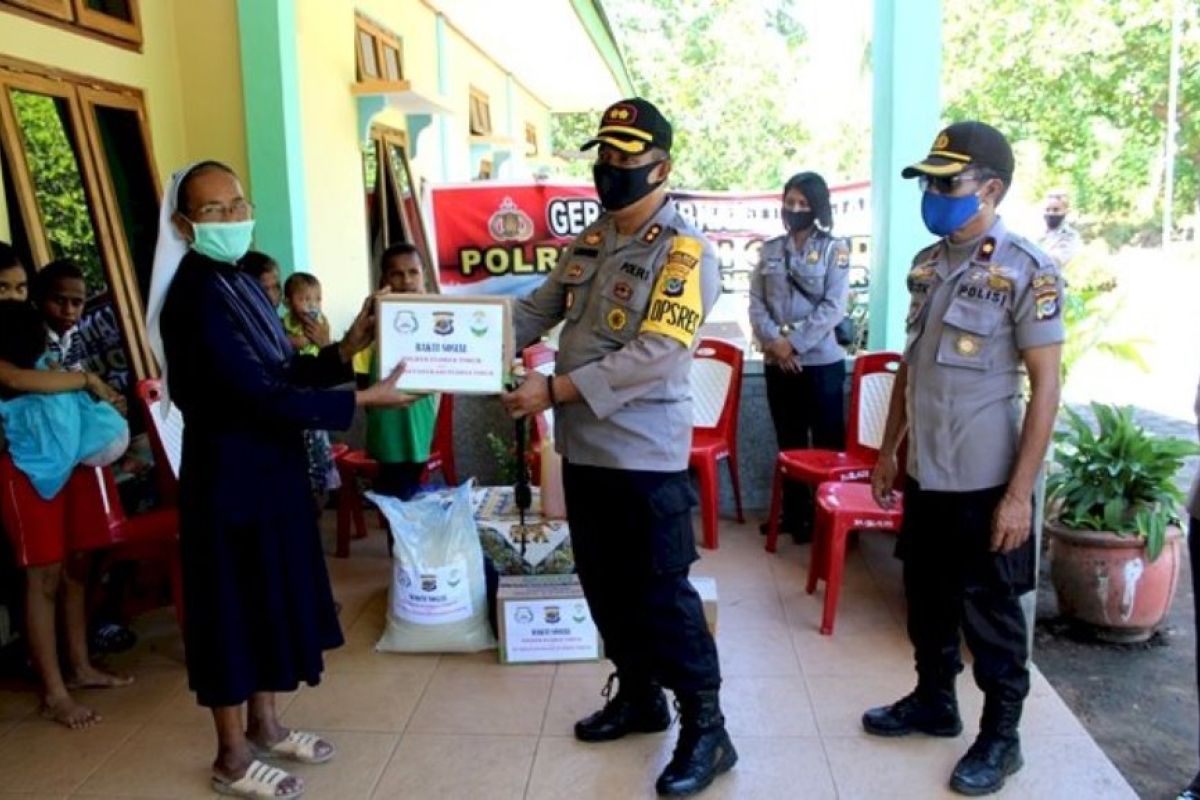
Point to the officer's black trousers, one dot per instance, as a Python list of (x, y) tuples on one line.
[(632, 536), (953, 582), (809, 410)]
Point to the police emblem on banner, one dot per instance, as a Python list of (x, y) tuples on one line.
[(510, 224), (443, 323)]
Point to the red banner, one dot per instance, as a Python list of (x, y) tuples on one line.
[(504, 239)]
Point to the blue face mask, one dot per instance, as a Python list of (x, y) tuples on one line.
[(944, 215), (223, 241)]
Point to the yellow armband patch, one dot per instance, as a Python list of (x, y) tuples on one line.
[(676, 305)]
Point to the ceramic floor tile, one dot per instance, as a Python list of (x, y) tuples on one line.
[(621, 770), (767, 707), (858, 611), (358, 701), (137, 702), (158, 761), (909, 768), (1044, 714), (597, 671), (458, 767), (882, 651), (18, 701), (839, 700), (40, 757), (358, 653), (762, 652), (749, 605), (354, 771), (1068, 767), (776, 767), (571, 699), (486, 705), (487, 665)]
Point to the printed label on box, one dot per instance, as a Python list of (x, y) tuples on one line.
[(549, 630), (432, 595)]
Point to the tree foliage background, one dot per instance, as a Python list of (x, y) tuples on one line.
[(1080, 86)]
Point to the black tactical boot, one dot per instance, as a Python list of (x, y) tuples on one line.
[(996, 753), (636, 708), (703, 751), (933, 712)]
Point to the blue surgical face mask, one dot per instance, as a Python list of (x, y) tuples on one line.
[(223, 241), (943, 215)]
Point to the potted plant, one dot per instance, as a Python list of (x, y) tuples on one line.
[(1115, 542)]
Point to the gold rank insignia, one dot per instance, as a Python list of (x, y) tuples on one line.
[(987, 249), (593, 238), (941, 142), (1045, 279), (616, 319), (622, 291), (574, 271), (923, 272), (570, 299), (812, 257), (999, 283), (967, 345), (652, 233)]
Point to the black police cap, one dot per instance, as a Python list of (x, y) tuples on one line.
[(632, 126), (963, 145)]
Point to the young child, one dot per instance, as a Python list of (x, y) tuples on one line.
[(308, 330), (45, 492), (262, 268), (14, 278), (399, 439), (306, 326)]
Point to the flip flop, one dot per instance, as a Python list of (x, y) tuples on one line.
[(296, 746), (259, 783)]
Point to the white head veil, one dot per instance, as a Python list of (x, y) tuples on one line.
[(169, 251)]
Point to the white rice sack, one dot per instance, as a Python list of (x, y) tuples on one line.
[(438, 598)]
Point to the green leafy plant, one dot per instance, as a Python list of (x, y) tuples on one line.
[(1117, 478)]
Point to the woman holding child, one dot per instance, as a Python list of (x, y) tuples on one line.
[(258, 606)]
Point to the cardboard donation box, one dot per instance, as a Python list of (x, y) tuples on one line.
[(458, 345), (544, 618), (707, 589)]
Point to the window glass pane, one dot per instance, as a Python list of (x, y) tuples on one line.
[(121, 9), (17, 232), (45, 127), (370, 167), (391, 63), (128, 167), (366, 50)]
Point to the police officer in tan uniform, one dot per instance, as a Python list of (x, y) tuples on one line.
[(798, 294), (1060, 240), (985, 314), (633, 290)]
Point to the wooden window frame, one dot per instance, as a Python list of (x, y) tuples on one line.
[(107, 24), (479, 114), (76, 17), (382, 40), (384, 139), (82, 96)]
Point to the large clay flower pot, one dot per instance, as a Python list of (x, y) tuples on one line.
[(1107, 582)]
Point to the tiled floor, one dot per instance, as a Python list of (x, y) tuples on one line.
[(464, 727)]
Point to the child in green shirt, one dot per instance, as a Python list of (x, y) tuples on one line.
[(398, 439)]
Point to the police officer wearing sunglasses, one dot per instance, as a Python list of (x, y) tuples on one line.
[(985, 314), (633, 290)]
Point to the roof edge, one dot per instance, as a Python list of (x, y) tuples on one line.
[(595, 22)]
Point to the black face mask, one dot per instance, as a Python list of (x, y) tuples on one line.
[(620, 187), (1054, 220), (798, 220)]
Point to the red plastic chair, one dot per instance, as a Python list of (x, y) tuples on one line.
[(870, 394), (716, 380), (842, 509), (540, 358), (355, 464)]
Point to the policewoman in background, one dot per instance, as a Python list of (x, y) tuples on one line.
[(798, 296)]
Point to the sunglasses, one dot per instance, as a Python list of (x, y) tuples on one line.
[(949, 184)]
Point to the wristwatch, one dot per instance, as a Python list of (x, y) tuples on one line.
[(787, 328)]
